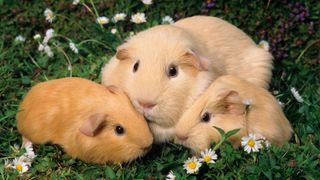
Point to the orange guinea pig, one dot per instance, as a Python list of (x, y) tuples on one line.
[(93, 123)]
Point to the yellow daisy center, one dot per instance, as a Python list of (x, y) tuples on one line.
[(261, 46), (206, 158), (251, 143), (50, 14), (19, 167), (192, 165)]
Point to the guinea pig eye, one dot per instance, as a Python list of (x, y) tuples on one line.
[(136, 66), (119, 130), (205, 117), (172, 71)]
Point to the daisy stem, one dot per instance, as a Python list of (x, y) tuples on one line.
[(67, 58), (219, 143), (95, 41), (35, 63), (96, 13), (305, 50), (62, 36)]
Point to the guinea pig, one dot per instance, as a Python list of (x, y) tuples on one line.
[(91, 122), (230, 103), (165, 68)]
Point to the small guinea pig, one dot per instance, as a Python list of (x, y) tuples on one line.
[(93, 123), (165, 68), (225, 104)]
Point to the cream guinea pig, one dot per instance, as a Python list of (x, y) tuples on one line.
[(165, 68), (93, 123), (230, 103)]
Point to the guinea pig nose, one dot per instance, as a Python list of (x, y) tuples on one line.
[(146, 105), (182, 137)]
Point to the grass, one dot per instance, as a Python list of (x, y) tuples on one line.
[(292, 30)]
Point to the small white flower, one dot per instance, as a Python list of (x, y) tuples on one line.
[(102, 20), (267, 143), (20, 165), (73, 47), (167, 20), (49, 15), (138, 18), (69, 67), (170, 176), (48, 36), (8, 163), (250, 143), (48, 51), (75, 2), (264, 45), (119, 17), (20, 39), (147, 2), (192, 165), (40, 47), (113, 30), (208, 156), (29, 150), (37, 37), (296, 95)]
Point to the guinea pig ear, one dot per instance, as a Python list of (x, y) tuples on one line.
[(232, 103), (122, 52), (92, 125), (200, 62)]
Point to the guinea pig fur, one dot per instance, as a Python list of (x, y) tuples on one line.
[(165, 68), (230, 103), (93, 123)]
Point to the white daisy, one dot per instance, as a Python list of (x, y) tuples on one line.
[(167, 20), (49, 15), (75, 2), (29, 150), (267, 143), (20, 165), (119, 17), (73, 47), (147, 2), (208, 156), (8, 163), (48, 36), (192, 165), (37, 37), (296, 95), (170, 176), (102, 20), (40, 47), (48, 51), (138, 18), (113, 30), (20, 39), (250, 143), (264, 45)]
